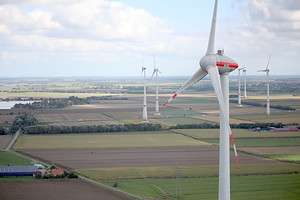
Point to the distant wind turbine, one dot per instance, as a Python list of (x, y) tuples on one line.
[(145, 115), (156, 71), (239, 92), (268, 86), (245, 83), (218, 66)]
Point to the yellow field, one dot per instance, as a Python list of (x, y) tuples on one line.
[(279, 96), (85, 141), (217, 119)]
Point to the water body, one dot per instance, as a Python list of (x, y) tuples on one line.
[(10, 104)]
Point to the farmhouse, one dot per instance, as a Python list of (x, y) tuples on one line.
[(17, 170)]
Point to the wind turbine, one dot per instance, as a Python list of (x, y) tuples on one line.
[(145, 115), (218, 66), (268, 86), (156, 71), (245, 83), (239, 93)]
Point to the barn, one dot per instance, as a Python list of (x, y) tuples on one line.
[(17, 170)]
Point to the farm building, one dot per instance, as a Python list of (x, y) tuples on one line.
[(56, 172), (17, 170), (285, 129)]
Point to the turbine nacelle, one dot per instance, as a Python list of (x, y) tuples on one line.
[(224, 63)]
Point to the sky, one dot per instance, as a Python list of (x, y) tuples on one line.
[(58, 38)]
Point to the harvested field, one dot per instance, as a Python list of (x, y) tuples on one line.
[(7, 118), (217, 119), (53, 190), (71, 117), (91, 141), (186, 120), (86, 159), (272, 150), (5, 140), (237, 133), (276, 117), (84, 123)]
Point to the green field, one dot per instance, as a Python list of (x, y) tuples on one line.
[(179, 113), (290, 157), (193, 101), (237, 133), (87, 141), (275, 117), (8, 158), (264, 187), (184, 120), (187, 171), (252, 142)]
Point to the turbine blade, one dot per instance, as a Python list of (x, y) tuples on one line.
[(200, 74), (268, 62), (211, 41), (215, 78)]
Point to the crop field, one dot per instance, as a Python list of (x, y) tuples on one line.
[(82, 123), (5, 140), (263, 187), (181, 120), (71, 117), (123, 115), (277, 117), (51, 190), (12, 159), (258, 142), (216, 119), (237, 133), (7, 118), (90, 141), (179, 113)]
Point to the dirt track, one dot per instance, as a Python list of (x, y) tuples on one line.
[(54, 190), (84, 159)]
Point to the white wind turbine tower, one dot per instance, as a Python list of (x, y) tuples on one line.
[(218, 66), (268, 86), (245, 83), (145, 115), (239, 92), (156, 71)]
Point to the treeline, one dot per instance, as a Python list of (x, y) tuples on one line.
[(91, 128), (63, 102), (53, 103), (264, 105), (262, 126)]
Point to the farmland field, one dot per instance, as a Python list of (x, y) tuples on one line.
[(71, 117), (53, 190), (90, 141), (181, 120), (8, 158), (277, 117), (257, 142), (263, 187), (5, 140), (237, 133), (150, 157)]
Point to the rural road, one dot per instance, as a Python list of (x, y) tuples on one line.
[(17, 134)]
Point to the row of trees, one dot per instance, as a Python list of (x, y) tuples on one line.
[(264, 126), (91, 128)]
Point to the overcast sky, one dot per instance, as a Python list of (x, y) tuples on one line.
[(115, 38)]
